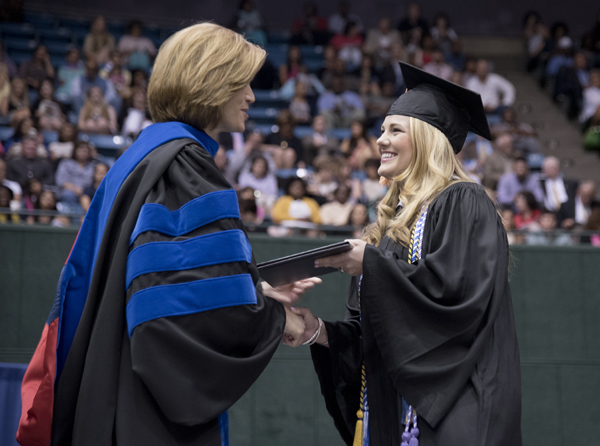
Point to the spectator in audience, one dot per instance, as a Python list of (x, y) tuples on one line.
[(250, 213), (63, 148), (496, 91), (250, 23), (593, 224), (4, 90), (428, 48), (456, 58), (380, 40), (524, 136), (26, 130), (377, 101), (329, 58), (82, 85), (293, 65), (241, 156), (590, 113), (289, 147), (67, 73), (338, 69), (100, 171), (413, 20), (47, 202), (536, 38), (46, 110), (15, 187), (99, 43), (360, 146), (323, 182), (510, 184), (340, 106), (115, 73), (545, 233), (295, 208), (442, 33), (138, 117), (367, 72), (31, 194), (438, 66), (18, 102), (414, 49), (470, 69), (559, 193), (137, 52), (299, 107), (562, 57), (6, 197), (337, 212), (96, 115), (310, 28), (585, 201), (29, 165), (75, 174), (359, 218), (319, 142), (474, 155), (508, 220), (337, 21), (348, 46), (262, 180), (391, 72), (10, 65), (500, 162), (528, 209), (570, 81), (37, 69), (139, 79)]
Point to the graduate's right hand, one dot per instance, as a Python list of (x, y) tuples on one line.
[(294, 328)]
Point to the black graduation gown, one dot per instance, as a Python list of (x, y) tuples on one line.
[(166, 380), (440, 333)]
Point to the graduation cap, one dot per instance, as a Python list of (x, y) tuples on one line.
[(450, 108)]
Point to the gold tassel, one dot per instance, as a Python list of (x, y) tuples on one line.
[(359, 429)]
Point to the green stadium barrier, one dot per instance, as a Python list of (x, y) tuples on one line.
[(556, 295)]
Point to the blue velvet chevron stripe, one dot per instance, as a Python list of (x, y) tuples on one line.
[(82, 259), (189, 298), (204, 250), (224, 428), (200, 211)]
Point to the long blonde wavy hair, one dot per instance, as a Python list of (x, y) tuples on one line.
[(432, 168)]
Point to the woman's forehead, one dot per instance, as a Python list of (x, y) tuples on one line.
[(396, 119)]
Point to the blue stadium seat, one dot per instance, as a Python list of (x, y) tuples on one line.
[(535, 161), (58, 59), (6, 133), (20, 44), (278, 37), (269, 98), (19, 57), (55, 35), (277, 54), (40, 21), (301, 131), (313, 65), (340, 133), (311, 51), (263, 115), (106, 144), (58, 48), (50, 136), (264, 129), (493, 119), (24, 30)]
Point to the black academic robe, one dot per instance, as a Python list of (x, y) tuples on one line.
[(157, 358), (440, 333)]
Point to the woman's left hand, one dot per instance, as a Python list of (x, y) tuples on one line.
[(291, 293), (350, 262)]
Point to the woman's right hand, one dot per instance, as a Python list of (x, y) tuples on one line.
[(294, 328)]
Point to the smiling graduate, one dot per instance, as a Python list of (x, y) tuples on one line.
[(428, 350)]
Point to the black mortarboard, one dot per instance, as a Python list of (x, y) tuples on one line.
[(448, 107)]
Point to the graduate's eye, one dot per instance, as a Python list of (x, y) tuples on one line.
[(396, 129)]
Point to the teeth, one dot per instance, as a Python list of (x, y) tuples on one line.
[(388, 156)]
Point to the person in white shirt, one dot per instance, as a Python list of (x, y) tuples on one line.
[(138, 52), (496, 91), (586, 197), (438, 66), (591, 99), (559, 193), (337, 22)]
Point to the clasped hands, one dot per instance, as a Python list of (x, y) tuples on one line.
[(301, 325)]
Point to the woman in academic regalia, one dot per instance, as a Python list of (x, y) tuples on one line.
[(428, 350)]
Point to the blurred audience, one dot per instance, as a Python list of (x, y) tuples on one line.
[(340, 106), (559, 193), (38, 68), (360, 146), (413, 21), (496, 91), (295, 208), (46, 110), (97, 116), (380, 40), (23, 168), (337, 212), (528, 210), (75, 174), (337, 21), (137, 51), (310, 28), (99, 43), (510, 184), (545, 232)]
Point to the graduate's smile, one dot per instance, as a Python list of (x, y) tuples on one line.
[(395, 146)]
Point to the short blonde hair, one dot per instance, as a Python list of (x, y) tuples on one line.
[(197, 70)]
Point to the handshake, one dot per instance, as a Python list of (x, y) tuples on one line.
[(301, 326)]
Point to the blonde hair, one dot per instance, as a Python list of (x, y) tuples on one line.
[(89, 108), (197, 70), (432, 168)]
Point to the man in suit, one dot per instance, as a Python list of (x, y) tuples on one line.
[(559, 193)]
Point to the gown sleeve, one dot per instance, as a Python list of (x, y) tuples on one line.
[(339, 367), (430, 320), (201, 330)]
